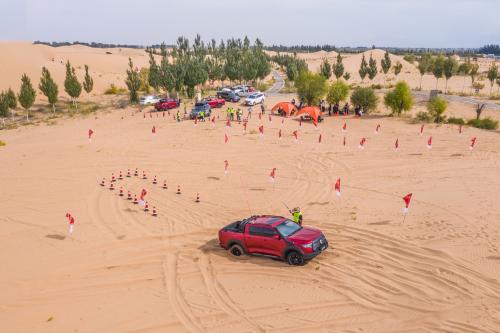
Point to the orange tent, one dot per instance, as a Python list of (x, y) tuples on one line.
[(288, 108), (313, 111)]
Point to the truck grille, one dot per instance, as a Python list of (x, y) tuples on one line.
[(319, 243)]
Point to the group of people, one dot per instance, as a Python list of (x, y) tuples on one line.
[(335, 109), (232, 112)]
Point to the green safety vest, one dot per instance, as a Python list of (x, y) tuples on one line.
[(297, 216)]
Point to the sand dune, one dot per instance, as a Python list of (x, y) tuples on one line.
[(126, 271)]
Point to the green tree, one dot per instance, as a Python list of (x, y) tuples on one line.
[(399, 99), (347, 76), (26, 95), (71, 85), (337, 92), (438, 68), (338, 68), (449, 68), (372, 68), (386, 63), (492, 75), (292, 72), (464, 70), (474, 69), (326, 69), (364, 97), (49, 88), (436, 107), (363, 68), (10, 98), (133, 82), (154, 78), (423, 66), (4, 105), (144, 75), (311, 87), (88, 82), (498, 83), (397, 69)]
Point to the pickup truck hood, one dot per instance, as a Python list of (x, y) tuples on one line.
[(305, 235)]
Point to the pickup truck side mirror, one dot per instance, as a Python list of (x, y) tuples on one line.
[(277, 236)]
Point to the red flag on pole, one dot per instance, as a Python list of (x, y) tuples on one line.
[(337, 187), (344, 128), (272, 175), (213, 121), (90, 134), (472, 143), (429, 142), (143, 194), (245, 126), (226, 166), (296, 135), (343, 142), (315, 123), (71, 223), (460, 129), (319, 139), (226, 138), (153, 130), (362, 143), (406, 199), (377, 128), (396, 144), (261, 129), (228, 123), (422, 129), (279, 134)]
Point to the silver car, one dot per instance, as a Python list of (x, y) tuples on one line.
[(255, 98)]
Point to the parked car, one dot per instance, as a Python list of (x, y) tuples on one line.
[(215, 102), (228, 96), (273, 236), (199, 107), (244, 90), (149, 99), (167, 104), (255, 98)]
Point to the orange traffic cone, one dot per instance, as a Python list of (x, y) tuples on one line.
[(121, 192), (154, 180), (197, 197), (144, 175), (146, 206), (165, 184), (111, 187), (120, 176), (135, 199), (154, 211), (129, 196), (103, 181), (113, 179), (178, 189), (128, 173), (136, 172)]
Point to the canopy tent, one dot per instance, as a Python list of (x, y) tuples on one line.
[(312, 111), (286, 107)]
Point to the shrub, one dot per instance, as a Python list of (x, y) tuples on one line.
[(399, 99), (423, 116), (456, 121), (376, 86), (337, 92), (436, 107), (114, 90), (486, 123), (311, 87), (2, 143), (262, 86), (410, 58), (364, 97), (478, 85)]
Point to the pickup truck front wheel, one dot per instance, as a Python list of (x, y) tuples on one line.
[(295, 258), (236, 250)]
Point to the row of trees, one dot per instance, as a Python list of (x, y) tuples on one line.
[(48, 87), (186, 66)]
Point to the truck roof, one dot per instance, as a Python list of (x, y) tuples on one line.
[(271, 220)]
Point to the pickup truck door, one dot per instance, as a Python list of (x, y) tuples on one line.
[(264, 239), (257, 239)]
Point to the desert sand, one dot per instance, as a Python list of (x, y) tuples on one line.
[(123, 270)]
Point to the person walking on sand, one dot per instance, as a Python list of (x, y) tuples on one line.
[(250, 112), (262, 108), (178, 116), (297, 215)]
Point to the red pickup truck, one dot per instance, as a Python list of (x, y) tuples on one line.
[(167, 104), (215, 102), (273, 236)]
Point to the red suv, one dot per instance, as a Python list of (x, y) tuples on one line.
[(273, 236), (167, 104)]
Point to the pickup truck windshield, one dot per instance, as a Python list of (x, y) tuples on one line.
[(288, 228)]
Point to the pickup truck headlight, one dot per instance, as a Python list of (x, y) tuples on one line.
[(307, 246)]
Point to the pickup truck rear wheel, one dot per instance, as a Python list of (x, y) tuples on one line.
[(295, 258), (236, 250)]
